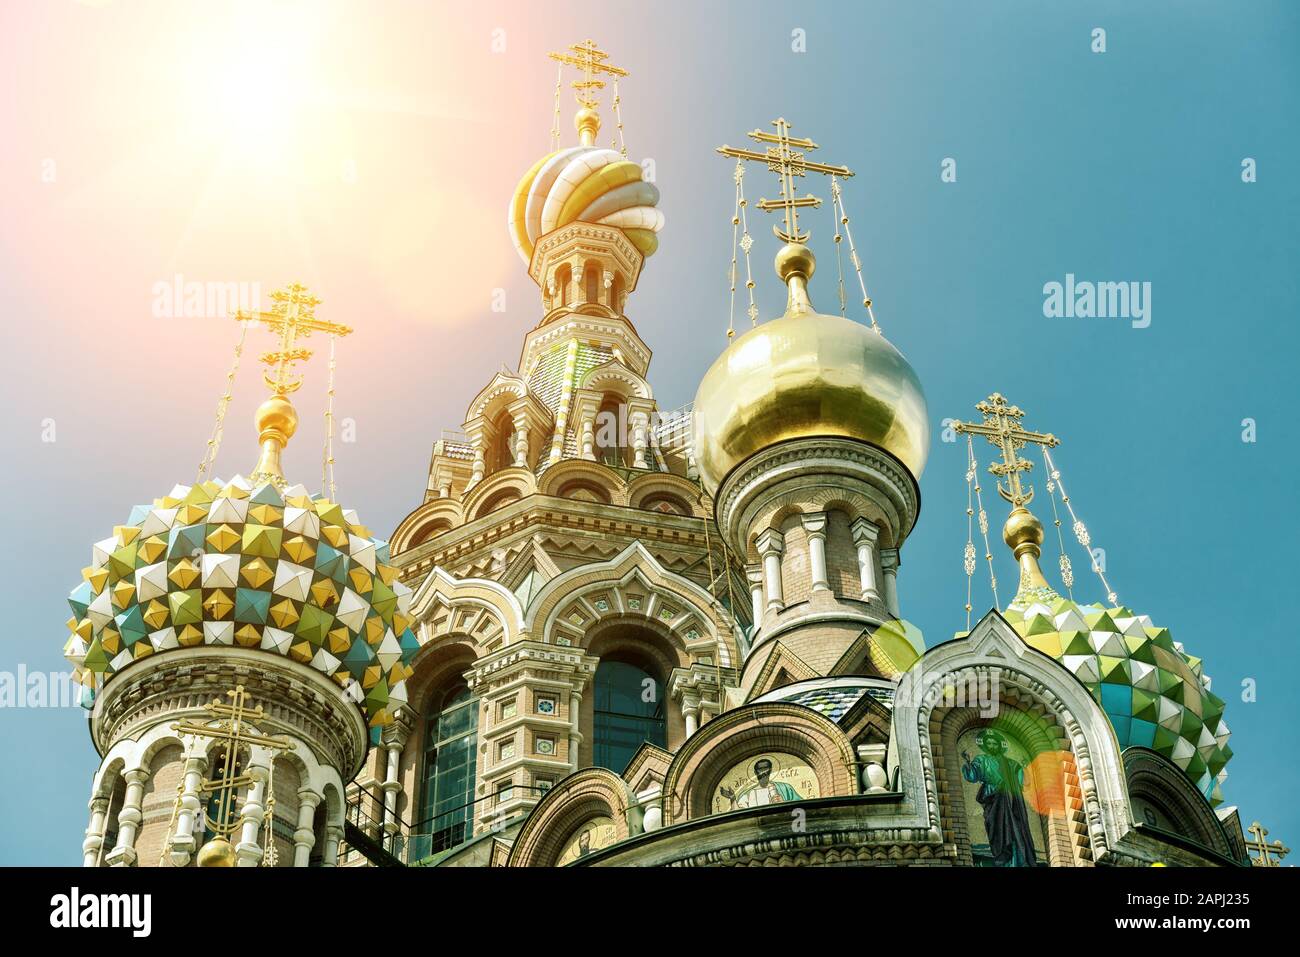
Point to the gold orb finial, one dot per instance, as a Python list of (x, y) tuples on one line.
[(277, 421), (587, 121), (218, 852)]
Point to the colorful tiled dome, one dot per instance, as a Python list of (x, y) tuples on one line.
[(247, 565), (1154, 693)]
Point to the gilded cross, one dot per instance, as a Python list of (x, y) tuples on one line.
[(1264, 850), (292, 315), (1001, 426), (785, 155), (590, 60), (235, 725)]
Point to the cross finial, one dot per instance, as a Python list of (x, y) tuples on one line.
[(234, 726), (590, 60), (1265, 854), (786, 156), (1001, 426), (293, 314)]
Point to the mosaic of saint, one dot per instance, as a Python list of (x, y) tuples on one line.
[(765, 779), (1002, 801), (594, 835)]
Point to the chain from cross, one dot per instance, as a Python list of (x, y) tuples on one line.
[(1001, 426), (785, 155), (234, 725), (590, 60), (292, 315), (1264, 850)]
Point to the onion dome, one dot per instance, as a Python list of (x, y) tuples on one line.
[(1155, 694), (254, 563), (588, 184), (807, 375), (247, 565)]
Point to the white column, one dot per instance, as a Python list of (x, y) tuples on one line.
[(477, 469), (333, 834), (640, 424), (575, 736), (521, 441), (691, 713), (392, 785), (771, 544), (814, 526), (889, 565), (865, 535), (182, 842), (755, 575), (128, 819), (249, 851), (588, 426), (304, 838), (95, 832)]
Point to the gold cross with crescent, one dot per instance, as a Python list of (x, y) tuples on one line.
[(1001, 426), (292, 315), (785, 155), (588, 58)]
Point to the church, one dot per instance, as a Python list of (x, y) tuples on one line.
[(611, 634)]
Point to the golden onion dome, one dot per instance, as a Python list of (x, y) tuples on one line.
[(807, 375)]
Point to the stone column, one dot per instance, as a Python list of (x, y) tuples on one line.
[(333, 834), (95, 832), (304, 838), (865, 535), (691, 713), (771, 545), (889, 565), (640, 423), (128, 819), (394, 742), (575, 736), (477, 469), (249, 850), (755, 575), (444, 489), (183, 841), (814, 525), (588, 432), (521, 440)]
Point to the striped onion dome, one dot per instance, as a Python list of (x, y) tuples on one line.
[(588, 184)]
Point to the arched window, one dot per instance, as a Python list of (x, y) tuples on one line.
[(450, 740), (591, 282), (616, 294), (563, 276), (629, 710), (502, 454), (611, 425)]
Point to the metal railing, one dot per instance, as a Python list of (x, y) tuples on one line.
[(401, 843)]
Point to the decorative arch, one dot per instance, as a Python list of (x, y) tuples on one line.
[(1155, 780), (702, 762), (993, 655), (644, 489), (583, 795), (633, 585), (496, 396), (497, 490), (429, 519), (580, 471), (616, 378), (484, 611), (875, 508)]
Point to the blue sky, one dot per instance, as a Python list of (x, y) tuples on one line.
[(1115, 166)]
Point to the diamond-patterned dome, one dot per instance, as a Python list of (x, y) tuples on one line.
[(251, 566), (1154, 693)]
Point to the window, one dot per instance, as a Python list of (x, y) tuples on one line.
[(624, 718), (509, 709), (450, 739), (546, 705)]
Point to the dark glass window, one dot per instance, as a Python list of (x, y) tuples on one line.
[(450, 736), (624, 717)]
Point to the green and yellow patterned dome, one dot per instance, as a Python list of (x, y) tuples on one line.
[(1156, 695)]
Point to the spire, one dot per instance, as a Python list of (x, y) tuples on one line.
[(1023, 532), (589, 60), (785, 156), (292, 316)]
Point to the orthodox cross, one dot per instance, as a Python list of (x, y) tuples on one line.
[(590, 60), (234, 725), (1001, 426), (292, 314), (1263, 849), (785, 156)]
